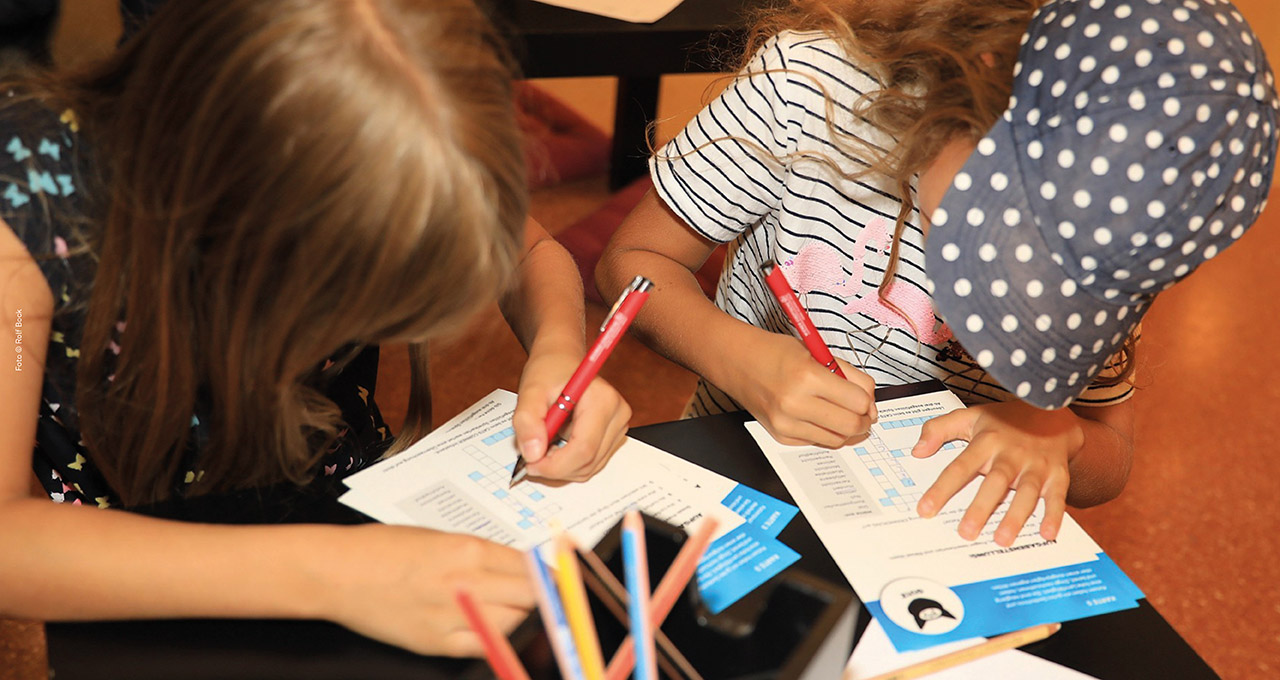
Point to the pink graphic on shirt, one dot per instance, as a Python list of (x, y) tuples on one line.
[(818, 267)]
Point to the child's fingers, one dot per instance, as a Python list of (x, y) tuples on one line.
[(1020, 509), (500, 590), (953, 478), (529, 422), (596, 429), (863, 381), (563, 461), (851, 394), (615, 436), (461, 641), (937, 431), (1055, 507), (457, 643), (795, 432), (841, 422), (805, 432), (989, 497)]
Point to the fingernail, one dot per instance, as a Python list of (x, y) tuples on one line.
[(532, 450), (925, 508)]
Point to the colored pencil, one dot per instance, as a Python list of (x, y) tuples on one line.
[(553, 618), (577, 610), (497, 649), (635, 562), (995, 645), (665, 596), (613, 594)]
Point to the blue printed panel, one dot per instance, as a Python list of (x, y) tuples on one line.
[(499, 436), (1007, 604), (767, 513), (738, 563)]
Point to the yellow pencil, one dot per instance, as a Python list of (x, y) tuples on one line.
[(577, 610), (995, 645)]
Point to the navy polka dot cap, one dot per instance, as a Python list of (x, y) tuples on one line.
[(1139, 142)]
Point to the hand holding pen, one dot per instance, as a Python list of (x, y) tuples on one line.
[(611, 332), (800, 392)]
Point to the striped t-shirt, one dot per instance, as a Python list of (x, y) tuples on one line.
[(744, 172)]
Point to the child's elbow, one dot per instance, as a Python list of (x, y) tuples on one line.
[(609, 273)]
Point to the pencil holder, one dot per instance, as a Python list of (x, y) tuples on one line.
[(794, 627)]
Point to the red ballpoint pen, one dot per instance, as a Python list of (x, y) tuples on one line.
[(799, 318), (615, 324)]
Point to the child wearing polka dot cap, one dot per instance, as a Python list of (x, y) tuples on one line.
[(1139, 142), (852, 117)]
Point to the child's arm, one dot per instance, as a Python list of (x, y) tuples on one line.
[(771, 375), (67, 562), (545, 310), (1080, 455)]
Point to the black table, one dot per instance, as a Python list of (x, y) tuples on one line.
[(697, 36), (1131, 644)]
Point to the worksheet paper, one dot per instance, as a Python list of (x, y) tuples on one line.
[(457, 480), (925, 583), (875, 655), (637, 12)]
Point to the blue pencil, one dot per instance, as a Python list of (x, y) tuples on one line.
[(553, 618), (635, 560)]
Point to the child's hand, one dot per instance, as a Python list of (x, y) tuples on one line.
[(1016, 446), (397, 585), (798, 400), (595, 429)]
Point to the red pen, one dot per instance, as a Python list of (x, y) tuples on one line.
[(799, 318), (615, 324)]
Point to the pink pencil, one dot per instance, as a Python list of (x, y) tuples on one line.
[(497, 649), (666, 594)]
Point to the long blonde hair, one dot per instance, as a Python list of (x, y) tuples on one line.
[(280, 180)]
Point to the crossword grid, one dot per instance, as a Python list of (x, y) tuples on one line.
[(528, 503), (900, 490)]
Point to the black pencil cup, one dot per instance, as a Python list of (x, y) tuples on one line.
[(794, 627)]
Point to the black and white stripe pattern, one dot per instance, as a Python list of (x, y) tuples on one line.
[(738, 174)]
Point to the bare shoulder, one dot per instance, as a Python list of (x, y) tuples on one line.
[(22, 285)]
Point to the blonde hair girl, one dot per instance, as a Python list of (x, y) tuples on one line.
[(207, 236)]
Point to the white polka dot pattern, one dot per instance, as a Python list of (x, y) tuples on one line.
[(1140, 141)]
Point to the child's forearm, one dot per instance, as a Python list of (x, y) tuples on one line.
[(545, 306), (77, 563), (678, 321), (1100, 469)]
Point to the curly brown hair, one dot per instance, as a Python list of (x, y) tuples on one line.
[(946, 70)]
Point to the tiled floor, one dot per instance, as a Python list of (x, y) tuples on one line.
[(1195, 528)]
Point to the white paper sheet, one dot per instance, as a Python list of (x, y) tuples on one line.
[(861, 501), (456, 479), (635, 11), (875, 655), (926, 584)]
